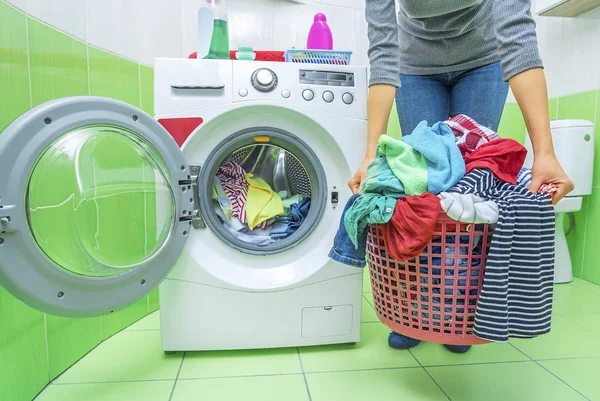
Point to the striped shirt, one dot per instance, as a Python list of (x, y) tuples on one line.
[(516, 297)]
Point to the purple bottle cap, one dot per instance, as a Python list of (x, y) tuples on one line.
[(320, 17)]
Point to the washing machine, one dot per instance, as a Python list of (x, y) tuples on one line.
[(100, 203)]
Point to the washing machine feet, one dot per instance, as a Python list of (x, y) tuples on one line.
[(169, 352)]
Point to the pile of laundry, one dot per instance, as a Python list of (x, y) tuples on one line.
[(251, 211), (468, 172)]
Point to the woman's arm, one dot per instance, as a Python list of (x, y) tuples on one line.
[(384, 54), (522, 67)]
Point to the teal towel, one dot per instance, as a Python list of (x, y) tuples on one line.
[(407, 164), (445, 164), (379, 193)]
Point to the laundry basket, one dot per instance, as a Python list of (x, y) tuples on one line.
[(434, 296)]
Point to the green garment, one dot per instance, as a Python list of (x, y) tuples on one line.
[(379, 193), (287, 203), (407, 164)]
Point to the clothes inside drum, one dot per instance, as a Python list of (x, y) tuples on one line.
[(261, 194)]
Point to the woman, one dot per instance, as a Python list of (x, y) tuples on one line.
[(441, 58)]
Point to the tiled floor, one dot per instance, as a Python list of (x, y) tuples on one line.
[(563, 366)]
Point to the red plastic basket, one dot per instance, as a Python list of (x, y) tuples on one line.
[(434, 296)]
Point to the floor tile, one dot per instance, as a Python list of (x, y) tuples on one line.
[(586, 285), (266, 388), (581, 374), (130, 391), (412, 384), (372, 352), (502, 382), (129, 355), (366, 280), (369, 296), (368, 313), (199, 365), (570, 299), (150, 322), (430, 354), (590, 321), (565, 340)]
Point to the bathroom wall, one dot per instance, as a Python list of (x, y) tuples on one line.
[(67, 55), (284, 24)]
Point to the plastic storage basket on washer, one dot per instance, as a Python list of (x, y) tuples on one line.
[(434, 296), (334, 57)]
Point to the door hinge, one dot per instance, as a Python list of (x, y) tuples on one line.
[(195, 216)]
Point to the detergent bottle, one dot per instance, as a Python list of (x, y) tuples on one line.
[(213, 33), (320, 37)]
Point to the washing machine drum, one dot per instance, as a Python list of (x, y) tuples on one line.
[(262, 191)]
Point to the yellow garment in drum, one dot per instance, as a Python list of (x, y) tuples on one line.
[(262, 203)]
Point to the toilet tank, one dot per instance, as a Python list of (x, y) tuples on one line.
[(574, 147)]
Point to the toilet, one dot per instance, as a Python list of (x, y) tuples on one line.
[(574, 147)]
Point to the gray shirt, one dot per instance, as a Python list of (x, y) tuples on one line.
[(439, 36)]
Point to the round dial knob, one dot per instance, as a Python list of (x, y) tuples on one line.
[(328, 96), (348, 98), (308, 95), (264, 80)]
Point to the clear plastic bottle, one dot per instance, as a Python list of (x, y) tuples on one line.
[(213, 33)]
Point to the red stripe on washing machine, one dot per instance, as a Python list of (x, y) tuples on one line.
[(181, 128)]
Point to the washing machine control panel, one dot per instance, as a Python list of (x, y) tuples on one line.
[(264, 80)]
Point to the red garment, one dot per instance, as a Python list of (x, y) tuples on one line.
[(412, 225), (469, 134), (504, 157)]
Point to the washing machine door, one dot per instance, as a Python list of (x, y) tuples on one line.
[(95, 206)]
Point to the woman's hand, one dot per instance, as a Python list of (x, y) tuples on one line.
[(547, 170), (358, 178)]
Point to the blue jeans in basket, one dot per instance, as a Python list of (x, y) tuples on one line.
[(479, 93)]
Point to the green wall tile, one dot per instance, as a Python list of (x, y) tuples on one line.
[(14, 74), (581, 106), (591, 268), (596, 179), (147, 88), (69, 340), (22, 349), (117, 321), (512, 124), (393, 128), (58, 64), (576, 239), (552, 108), (153, 301), (113, 76)]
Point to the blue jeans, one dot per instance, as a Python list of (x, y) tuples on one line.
[(480, 93), (343, 250)]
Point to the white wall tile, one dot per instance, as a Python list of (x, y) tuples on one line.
[(252, 23), (358, 4), (65, 15), (190, 25), (113, 25), (160, 30), (550, 34), (580, 55)]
